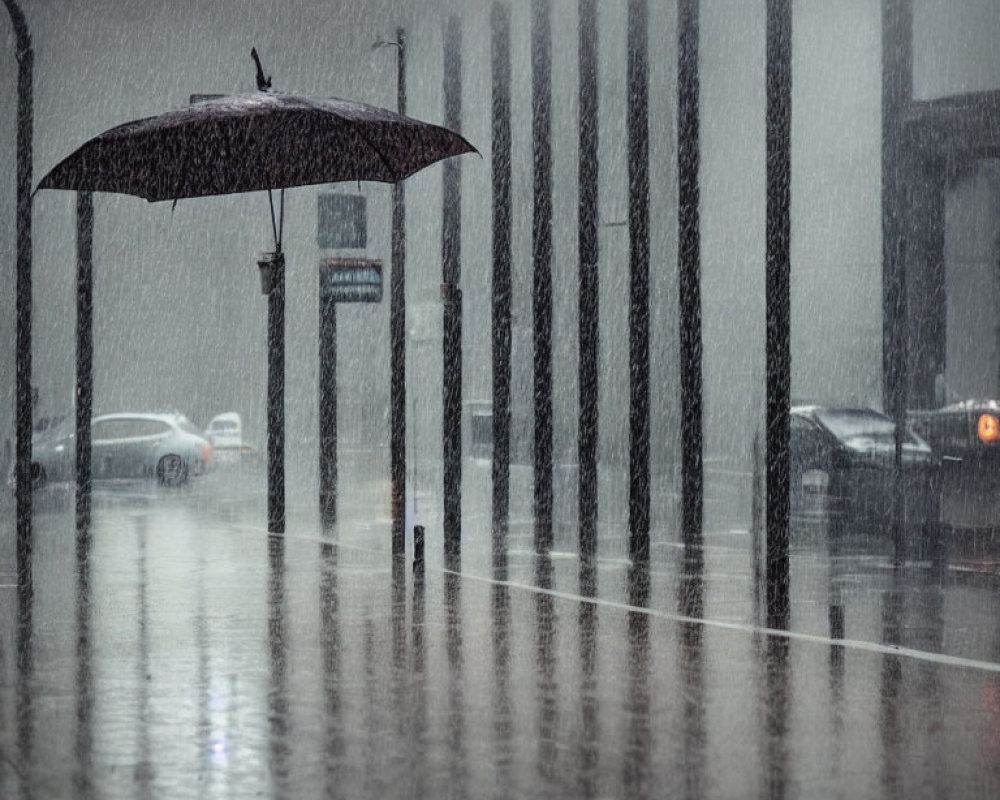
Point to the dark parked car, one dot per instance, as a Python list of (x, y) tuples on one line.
[(842, 466), (966, 436)]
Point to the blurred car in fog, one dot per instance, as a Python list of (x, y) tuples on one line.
[(165, 446), (966, 436), (43, 426), (842, 462), (225, 434)]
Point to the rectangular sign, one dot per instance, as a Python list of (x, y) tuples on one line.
[(350, 280), (341, 221)]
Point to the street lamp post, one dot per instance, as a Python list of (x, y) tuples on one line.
[(451, 295), (778, 315), (397, 325), (23, 411)]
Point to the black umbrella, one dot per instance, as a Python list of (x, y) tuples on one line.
[(252, 142)]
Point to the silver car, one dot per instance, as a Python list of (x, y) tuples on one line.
[(165, 446)]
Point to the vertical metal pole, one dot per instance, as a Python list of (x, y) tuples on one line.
[(638, 316), (897, 91), (397, 332), (541, 244), (277, 691), (23, 410), (84, 354), (451, 295), (276, 401), (589, 303), (689, 270), (327, 405), (85, 690), (333, 655), (778, 350), (501, 289)]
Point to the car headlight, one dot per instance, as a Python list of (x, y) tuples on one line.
[(988, 428)]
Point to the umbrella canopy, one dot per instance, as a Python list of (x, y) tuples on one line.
[(252, 142)]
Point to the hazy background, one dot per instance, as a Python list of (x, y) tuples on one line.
[(180, 321)]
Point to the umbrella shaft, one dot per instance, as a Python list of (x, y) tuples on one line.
[(278, 228)]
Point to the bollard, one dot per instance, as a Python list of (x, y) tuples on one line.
[(418, 546)]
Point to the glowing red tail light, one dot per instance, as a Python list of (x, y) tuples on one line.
[(205, 451), (988, 428)]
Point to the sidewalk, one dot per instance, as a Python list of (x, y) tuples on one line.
[(191, 655)]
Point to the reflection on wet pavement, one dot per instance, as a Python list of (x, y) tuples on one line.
[(178, 650)]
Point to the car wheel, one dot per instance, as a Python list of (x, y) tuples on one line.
[(38, 476), (171, 471)]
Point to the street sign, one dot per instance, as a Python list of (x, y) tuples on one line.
[(350, 280), (341, 221)]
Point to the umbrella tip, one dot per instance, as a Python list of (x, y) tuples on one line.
[(263, 84)]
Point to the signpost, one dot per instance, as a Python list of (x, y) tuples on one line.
[(341, 280)]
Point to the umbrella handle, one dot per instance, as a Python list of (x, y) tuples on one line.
[(279, 228)]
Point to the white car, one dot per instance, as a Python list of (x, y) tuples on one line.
[(165, 446), (225, 433)]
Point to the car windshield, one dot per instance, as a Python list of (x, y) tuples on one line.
[(848, 424)]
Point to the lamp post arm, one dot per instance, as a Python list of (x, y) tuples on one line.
[(20, 29)]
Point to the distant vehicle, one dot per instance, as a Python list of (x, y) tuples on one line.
[(842, 466), (165, 446), (43, 426), (966, 436), (225, 434)]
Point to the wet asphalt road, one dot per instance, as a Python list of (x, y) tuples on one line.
[(182, 652)]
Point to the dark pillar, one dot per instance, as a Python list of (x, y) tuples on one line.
[(778, 349), (84, 354), (23, 410), (638, 315), (778, 699), (589, 247), (541, 243), (333, 656), (502, 257), (327, 406), (451, 295), (897, 91), (546, 666), (637, 759), (22, 401), (397, 332), (276, 400), (278, 700), (85, 690), (689, 270)]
